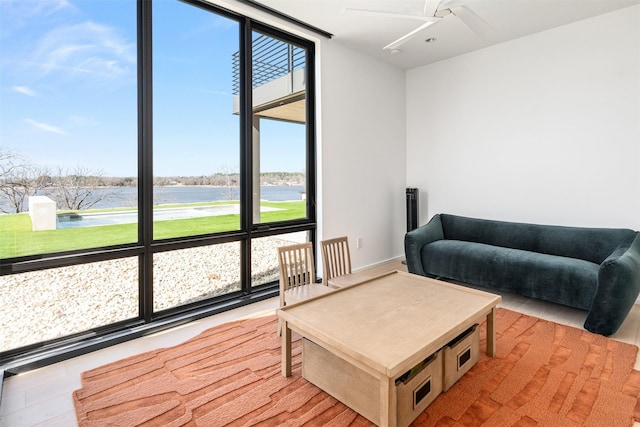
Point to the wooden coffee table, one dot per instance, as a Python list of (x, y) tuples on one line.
[(385, 326)]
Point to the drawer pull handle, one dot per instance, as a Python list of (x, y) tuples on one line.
[(464, 357), (421, 392)]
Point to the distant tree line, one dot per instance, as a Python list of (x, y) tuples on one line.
[(217, 179), (70, 189), (76, 189), (231, 179)]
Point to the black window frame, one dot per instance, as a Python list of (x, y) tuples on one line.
[(41, 354)]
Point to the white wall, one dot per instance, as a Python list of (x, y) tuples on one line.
[(540, 129), (362, 154)]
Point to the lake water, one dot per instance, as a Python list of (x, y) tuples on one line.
[(127, 197)]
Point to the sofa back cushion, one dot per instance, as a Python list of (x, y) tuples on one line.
[(590, 244)]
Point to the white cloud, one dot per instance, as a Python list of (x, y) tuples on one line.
[(59, 5), (34, 8), (87, 49), (45, 127), (25, 90), (18, 13)]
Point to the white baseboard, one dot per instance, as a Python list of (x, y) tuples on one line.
[(378, 264)]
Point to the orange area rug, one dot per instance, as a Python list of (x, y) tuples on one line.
[(545, 374)]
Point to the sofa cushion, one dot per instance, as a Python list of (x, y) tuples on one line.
[(590, 244), (554, 278)]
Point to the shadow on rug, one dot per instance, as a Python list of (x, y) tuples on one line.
[(544, 374)]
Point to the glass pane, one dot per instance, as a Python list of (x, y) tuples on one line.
[(47, 304), (188, 275), (68, 125), (279, 130), (264, 256), (195, 130)]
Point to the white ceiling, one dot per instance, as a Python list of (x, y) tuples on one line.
[(370, 33)]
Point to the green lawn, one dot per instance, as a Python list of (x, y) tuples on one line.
[(17, 239)]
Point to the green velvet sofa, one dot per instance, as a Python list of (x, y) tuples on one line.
[(594, 269)]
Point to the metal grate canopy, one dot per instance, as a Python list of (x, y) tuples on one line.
[(272, 59)]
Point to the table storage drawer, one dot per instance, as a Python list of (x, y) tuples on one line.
[(419, 389), (460, 355), (360, 390)]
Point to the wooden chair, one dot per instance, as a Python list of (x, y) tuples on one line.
[(297, 274), (336, 263)]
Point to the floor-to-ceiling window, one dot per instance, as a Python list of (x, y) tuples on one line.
[(153, 155), (195, 139), (279, 128), (68, 158)]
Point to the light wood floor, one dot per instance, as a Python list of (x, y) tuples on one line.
[(43, 397)]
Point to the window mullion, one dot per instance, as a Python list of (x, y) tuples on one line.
[(145, 156), (246, 150)]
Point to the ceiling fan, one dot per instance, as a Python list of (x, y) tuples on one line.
[(433, 12)]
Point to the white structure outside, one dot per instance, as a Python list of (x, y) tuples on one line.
[(42, 211)]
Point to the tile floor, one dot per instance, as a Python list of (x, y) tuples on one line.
[(43, 397)]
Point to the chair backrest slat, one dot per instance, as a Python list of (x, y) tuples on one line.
[(336, 258), (297, 267)]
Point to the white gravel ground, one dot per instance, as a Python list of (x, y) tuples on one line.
[(47, 304)]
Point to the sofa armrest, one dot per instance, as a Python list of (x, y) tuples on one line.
[(618, 288), (414, 240)]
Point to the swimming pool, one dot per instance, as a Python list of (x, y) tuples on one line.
[(159, 214)]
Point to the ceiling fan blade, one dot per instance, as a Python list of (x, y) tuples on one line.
[(382, 13), (402, 40), (472, 20), (430, 7)]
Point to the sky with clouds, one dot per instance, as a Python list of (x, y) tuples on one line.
[(68, 89)]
